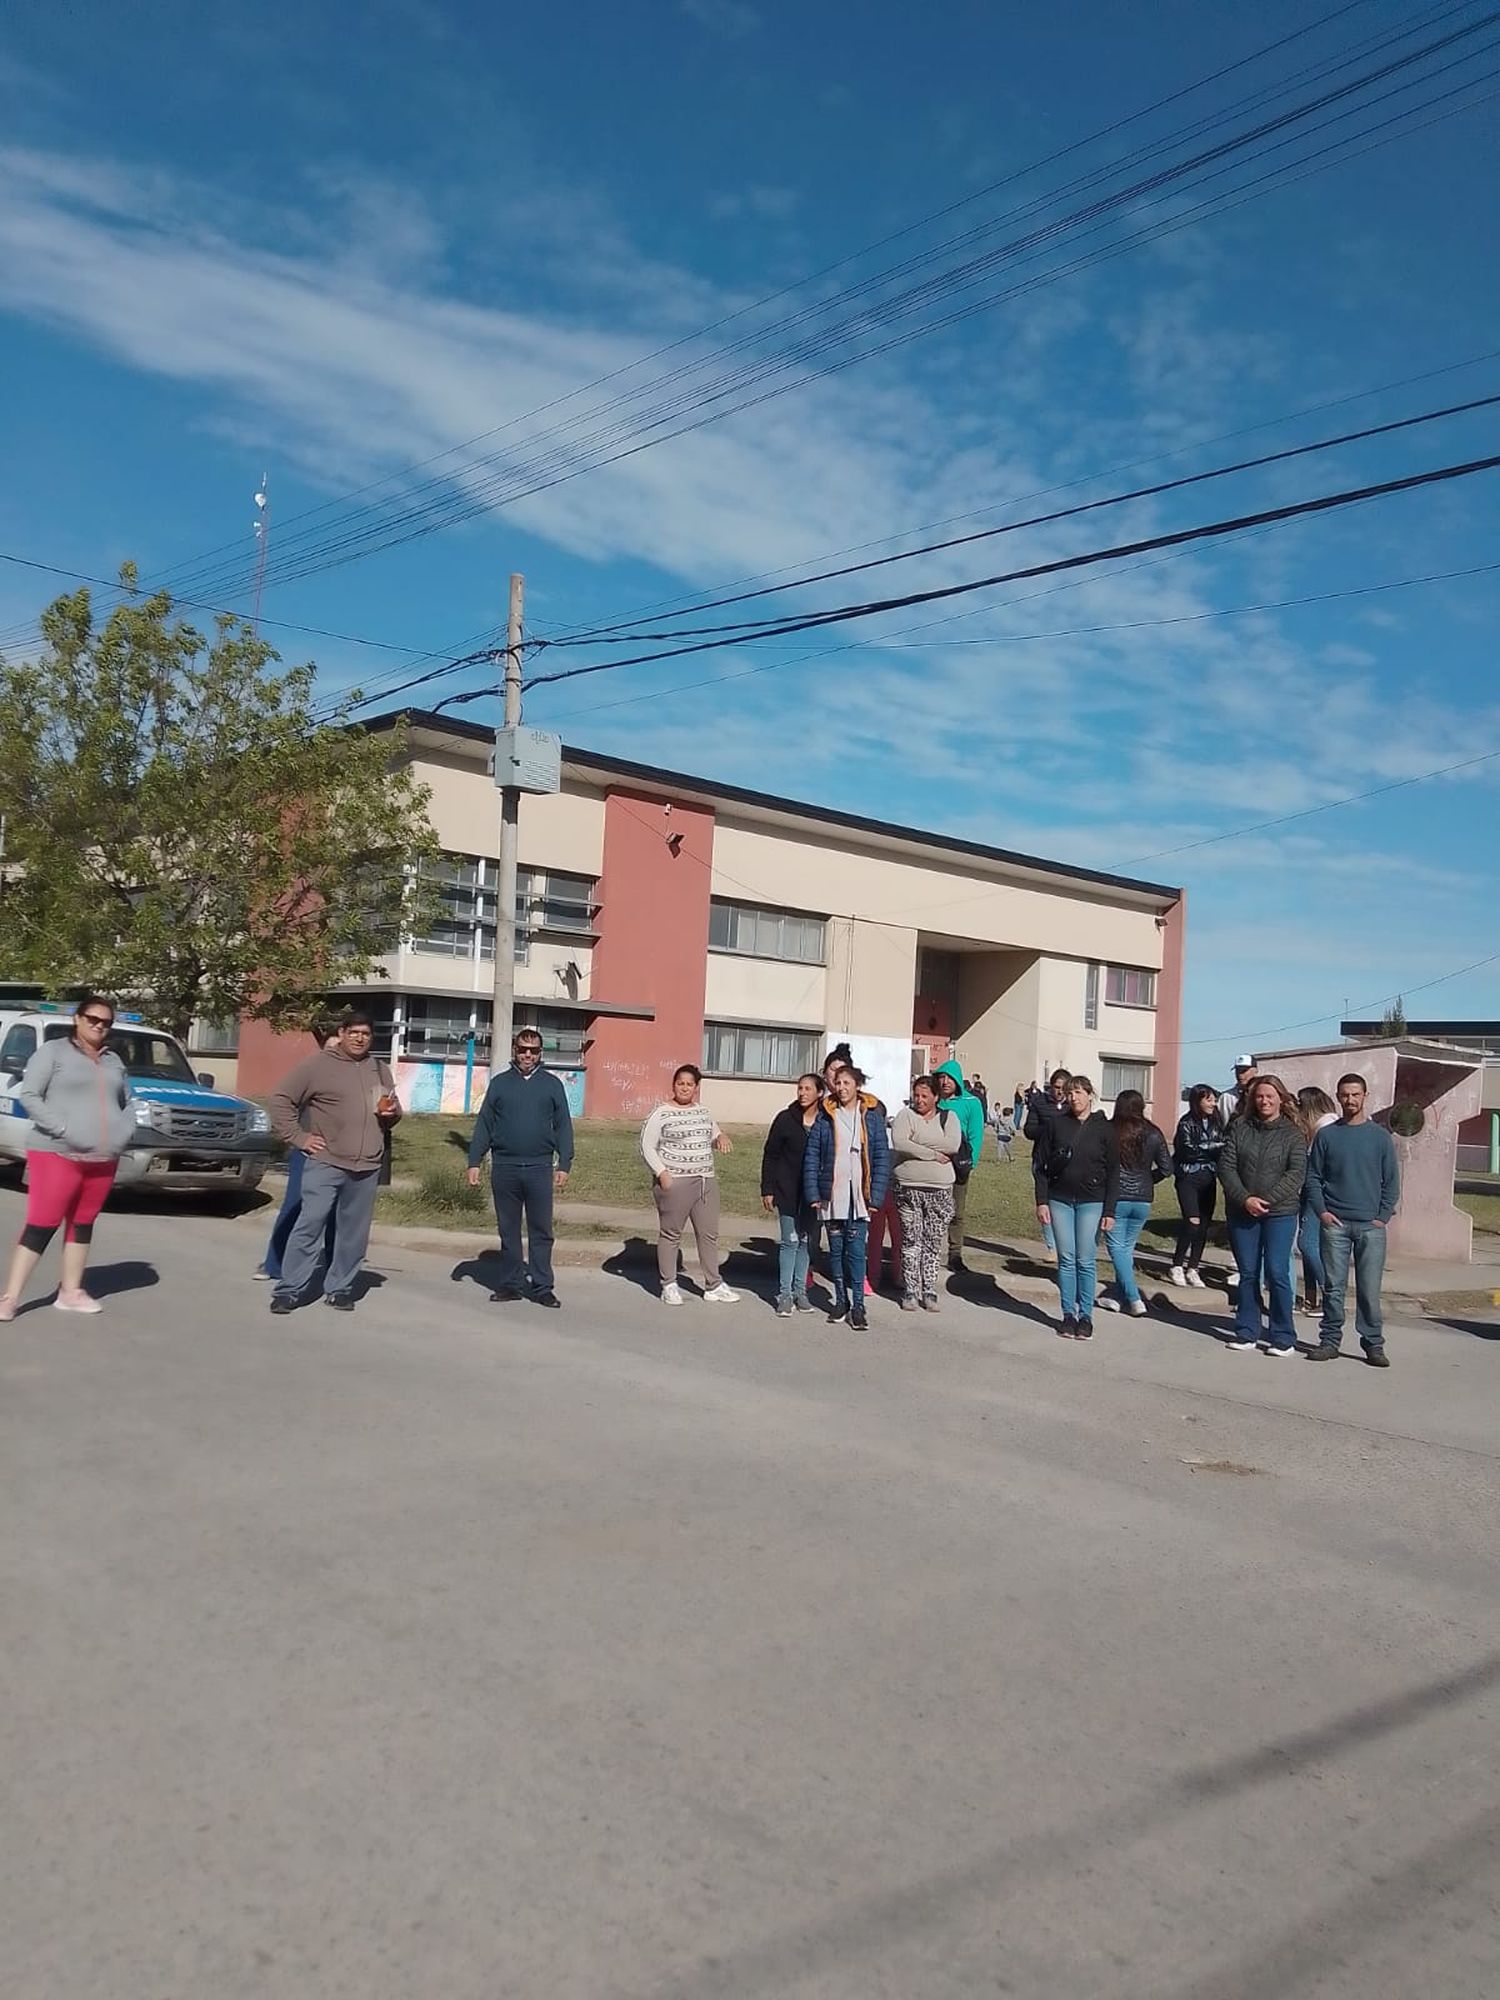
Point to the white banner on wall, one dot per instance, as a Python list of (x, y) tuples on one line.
[(885, 1060)]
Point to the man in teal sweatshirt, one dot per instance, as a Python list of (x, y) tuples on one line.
[(955, 1096), (1353, 1186)]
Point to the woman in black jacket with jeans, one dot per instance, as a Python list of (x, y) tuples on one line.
[(781, 1194), (1076, 1170)]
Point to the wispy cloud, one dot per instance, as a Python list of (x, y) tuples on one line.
[(732, 19)]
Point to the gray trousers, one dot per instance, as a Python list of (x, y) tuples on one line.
[(350, 1199), (691, 1198)]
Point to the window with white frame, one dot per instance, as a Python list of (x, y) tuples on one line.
[(759, 933), (1119, 1073), (1091, 997), (216, 1038), (732, 1049), (463, 925), (1130, 986)]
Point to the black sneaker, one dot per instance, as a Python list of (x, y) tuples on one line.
[(859, 1321), (283, 1302), (1376, 1357), (1324, 1351), (548, 1298), (1085, 1329), (506, 1296), (1069, 1328), (837, 1313), (341, 1302)]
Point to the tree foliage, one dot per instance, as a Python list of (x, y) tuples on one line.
[(180, 828), (1393, 1020)]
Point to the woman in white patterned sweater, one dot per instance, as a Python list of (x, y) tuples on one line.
[(678, 1143)]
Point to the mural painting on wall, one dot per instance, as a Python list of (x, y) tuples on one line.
[(436, 1086)]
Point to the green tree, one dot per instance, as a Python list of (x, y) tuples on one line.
[(181, 829), (1393, 1020)]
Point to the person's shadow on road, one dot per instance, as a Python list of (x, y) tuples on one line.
[(483, 1270), (130, 1275)]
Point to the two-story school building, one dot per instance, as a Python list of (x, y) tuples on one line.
[(664, 918)]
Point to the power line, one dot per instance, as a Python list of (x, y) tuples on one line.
[(1044, 520), (575, 457), (1324, 503)]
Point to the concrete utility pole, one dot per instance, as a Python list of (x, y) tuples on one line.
[(510, 844)]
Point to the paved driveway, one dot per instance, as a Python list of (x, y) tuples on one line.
[(462, 1651)]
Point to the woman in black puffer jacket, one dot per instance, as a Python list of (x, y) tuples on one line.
[(1076, 1169), (1196, 1147), (781, 1194)]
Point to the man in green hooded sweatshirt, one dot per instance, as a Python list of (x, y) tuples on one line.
[(955, 1097)]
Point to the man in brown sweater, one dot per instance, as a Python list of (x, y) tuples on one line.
[(336, 1107)]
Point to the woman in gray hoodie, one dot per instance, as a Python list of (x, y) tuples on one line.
[(77, 1096)]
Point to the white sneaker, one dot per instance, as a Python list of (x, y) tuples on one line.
[(1138, 1309), (1177, 1276), (1108, 1305), (671, 1295), (721, 1295), (1238, 1344), (76, 1302), (1195, 1279)]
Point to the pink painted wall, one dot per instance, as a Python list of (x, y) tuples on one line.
[(1427, 1224), (1168, 1079), (652, 951)]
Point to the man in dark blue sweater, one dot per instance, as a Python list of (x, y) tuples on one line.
[(525, 1126), (1353, 1187)]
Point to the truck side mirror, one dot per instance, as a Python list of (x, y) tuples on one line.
[(206, 1080)]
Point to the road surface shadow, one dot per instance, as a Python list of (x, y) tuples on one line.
[(1480, 1329), (131, 1275), (982, 1288), (482, 1270), (865, 1927)]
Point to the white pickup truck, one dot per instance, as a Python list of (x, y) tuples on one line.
[(189, 1135)]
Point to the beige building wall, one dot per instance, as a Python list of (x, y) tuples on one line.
[(767, 991), (562, 830), (872, 975)]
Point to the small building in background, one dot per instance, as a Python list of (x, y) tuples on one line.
[(663, 918), (1479, 1137)]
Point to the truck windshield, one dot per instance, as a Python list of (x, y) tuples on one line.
[(148, 1058)]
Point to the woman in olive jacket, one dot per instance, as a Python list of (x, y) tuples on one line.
[(1261, 1169)]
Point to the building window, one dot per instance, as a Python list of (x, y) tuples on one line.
[(564, 1034), (779, 1053), (766, 933), (464, 924), (1130, 986), (1120, 1074), (216, 1038), (435, 1029), (1091, 997)]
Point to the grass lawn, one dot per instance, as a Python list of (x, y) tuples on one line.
[(432, 1150)]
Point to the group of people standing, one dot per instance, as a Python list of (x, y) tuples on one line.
[(1298, 1174)]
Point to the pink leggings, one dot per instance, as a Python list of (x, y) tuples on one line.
[(63, 1190)]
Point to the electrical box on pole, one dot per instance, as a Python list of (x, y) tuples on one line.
[(528, 759)]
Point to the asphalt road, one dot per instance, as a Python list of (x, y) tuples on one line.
[(464, 1651)]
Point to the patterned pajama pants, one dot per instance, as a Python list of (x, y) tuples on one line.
[(925, 1214)]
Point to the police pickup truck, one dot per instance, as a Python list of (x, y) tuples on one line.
[(188, 1135)]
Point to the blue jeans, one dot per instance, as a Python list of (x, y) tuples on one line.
[(848, 1249), (1365, 1242), (286, 1217), (795, 1253), (1130, 1220), (1262, 1246), (1309, 1234), (1075, 1225), (1049, 1240), (518, 1185)]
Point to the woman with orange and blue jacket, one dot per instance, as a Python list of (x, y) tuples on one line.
[(846, 1171)]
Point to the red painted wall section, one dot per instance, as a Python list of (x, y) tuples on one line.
[(652, 951), (1166, 1108), (266, 1057)]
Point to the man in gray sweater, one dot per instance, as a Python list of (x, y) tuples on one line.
[(1353, 1187)]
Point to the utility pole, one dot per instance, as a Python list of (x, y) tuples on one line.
[(503, 1015)]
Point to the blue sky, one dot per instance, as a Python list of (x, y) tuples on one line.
[(238, 240)]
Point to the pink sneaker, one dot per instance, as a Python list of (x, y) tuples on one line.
[(7, 1309), (76, 1302)]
